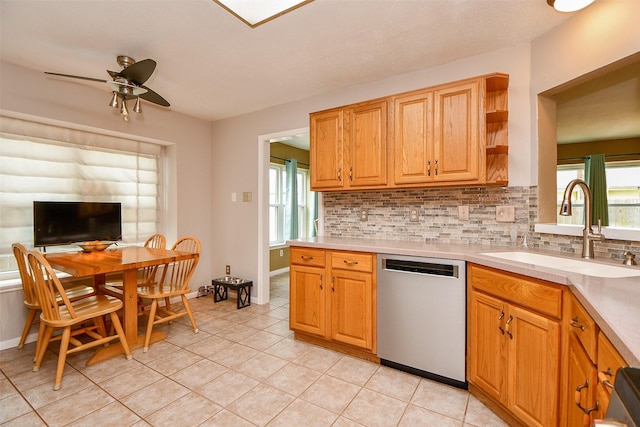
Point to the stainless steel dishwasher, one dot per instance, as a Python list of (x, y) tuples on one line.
[(421, 316)]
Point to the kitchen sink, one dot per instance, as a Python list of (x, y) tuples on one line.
[(588, 268)]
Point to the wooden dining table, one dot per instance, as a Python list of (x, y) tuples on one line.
[(126, 260)]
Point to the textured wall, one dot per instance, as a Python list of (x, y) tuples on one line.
[(388, 218)]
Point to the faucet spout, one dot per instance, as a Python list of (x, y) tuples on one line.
[(588, 236)]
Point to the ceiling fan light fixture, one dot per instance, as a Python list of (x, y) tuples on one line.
[(114, 100), (124, 111), (138, 106), (569, 5)]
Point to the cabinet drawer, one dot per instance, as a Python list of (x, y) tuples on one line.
[(584, 328), (308, 256), (540, 296), (354, 261), (609, 361)]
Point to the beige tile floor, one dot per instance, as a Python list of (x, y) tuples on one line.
[(242, 369)]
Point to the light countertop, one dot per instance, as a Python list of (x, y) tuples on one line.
[(614, 303)]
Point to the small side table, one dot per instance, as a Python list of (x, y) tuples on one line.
[(221, 287)]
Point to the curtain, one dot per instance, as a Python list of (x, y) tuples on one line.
[(596, 179), (314, 221), (291, 207)]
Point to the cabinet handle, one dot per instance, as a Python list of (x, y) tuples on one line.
[(321, 282), (351, 173), (350, 262), (577, 396), (339, 174), (436, 167), (500, 318), (428, 167), (306, 258), (576, 323), (507, 323), (603, 377), (333, 279)]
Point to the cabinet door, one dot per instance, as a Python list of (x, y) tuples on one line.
[(326, 145), (307, 300), (413, 138), (366, 131), (487, 363), (352, 308), (582, 385), (534, 359), (456, 148)]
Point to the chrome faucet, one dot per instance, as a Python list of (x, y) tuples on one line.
[(588, 236)]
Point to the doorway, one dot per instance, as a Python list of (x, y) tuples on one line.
[(264, 153)]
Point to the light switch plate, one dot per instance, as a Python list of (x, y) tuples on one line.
[(505, 213), (246, 196)]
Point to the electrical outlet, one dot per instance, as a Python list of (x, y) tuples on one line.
[(463, 213), (364, 215), (227, 269), (281, 252), (247, 196), (413, 215), (505, 213)]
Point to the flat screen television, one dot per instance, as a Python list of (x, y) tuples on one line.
[(63, 223)]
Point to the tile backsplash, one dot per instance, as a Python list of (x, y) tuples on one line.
[(388, 217)]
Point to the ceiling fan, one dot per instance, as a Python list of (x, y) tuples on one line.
[(128, 84)]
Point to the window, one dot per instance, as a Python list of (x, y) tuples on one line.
[(623, 193), (35, 168), (277, 203)]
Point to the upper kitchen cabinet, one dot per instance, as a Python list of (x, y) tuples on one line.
[(435, 135), (446, 135), (348, 147)]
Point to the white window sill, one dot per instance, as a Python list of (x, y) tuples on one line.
[(576, 230)]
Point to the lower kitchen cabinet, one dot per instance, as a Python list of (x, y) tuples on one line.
[(581, 396), (514, 350), (592, 364), (333, 300)]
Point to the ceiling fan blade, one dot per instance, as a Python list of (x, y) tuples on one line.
[(139, 72), (151, 96), (76, 77)]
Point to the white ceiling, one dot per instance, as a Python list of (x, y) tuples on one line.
[(212, 66)]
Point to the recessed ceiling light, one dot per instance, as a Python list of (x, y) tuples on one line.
[(569, 5), (256, 12)]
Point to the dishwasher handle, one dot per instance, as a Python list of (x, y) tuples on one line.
[(418, 267)]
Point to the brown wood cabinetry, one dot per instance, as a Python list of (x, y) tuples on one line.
[(332, 297), (452, 134), (348, 147), (592, 364), (514, 346)]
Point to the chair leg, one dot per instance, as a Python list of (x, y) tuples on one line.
[(62, 357), (115, 323), (152, 315), (43, 342), (190, 313), (39, 341), (27, 326)]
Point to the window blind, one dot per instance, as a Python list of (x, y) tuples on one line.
[(33, 166)]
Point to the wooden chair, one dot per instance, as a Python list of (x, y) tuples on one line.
[(173, 281), (30, 300), (72, 317)]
